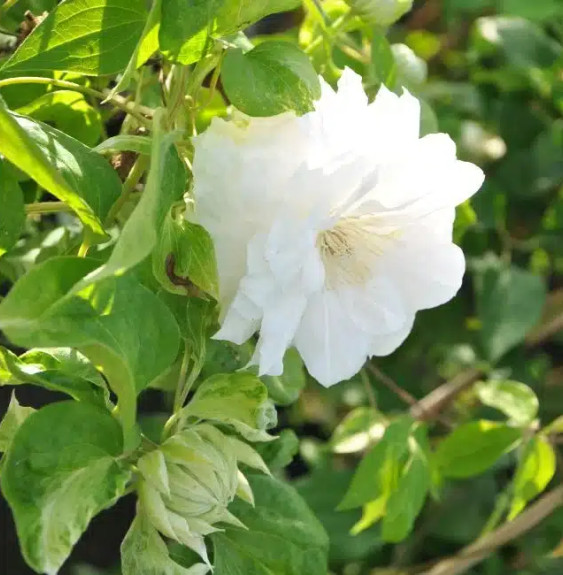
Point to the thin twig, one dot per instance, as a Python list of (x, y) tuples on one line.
[(129, 185), (434, 403), (390, 384), (39, 208), (476, 552), (116, 100)]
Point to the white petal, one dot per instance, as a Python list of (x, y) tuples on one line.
[(375, 308), (277, 331), (241, 320), (331, 345), (382, 345), (425, 269)]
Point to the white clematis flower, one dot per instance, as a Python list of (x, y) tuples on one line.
[(331, 229)]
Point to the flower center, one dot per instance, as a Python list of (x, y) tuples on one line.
[(349, 250)]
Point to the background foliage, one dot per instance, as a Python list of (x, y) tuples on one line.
[(487, 366)]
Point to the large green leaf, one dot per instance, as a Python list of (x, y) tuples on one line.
[(535, 470), (57, 369), (474, 447), (165, 185), (61, 165), (509, 303), (60, 470), (272, 78), (143, 552), (283, 535), (187, 25), (122, 327), (12, 214), (92, 37), (379, 471)]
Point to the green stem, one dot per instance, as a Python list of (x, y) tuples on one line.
[(129, 186), (333, 29), (116, 100), (178, 396), (39, 208)]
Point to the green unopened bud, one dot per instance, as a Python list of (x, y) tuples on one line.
[(380, 12), (188, 483), (411, 70)]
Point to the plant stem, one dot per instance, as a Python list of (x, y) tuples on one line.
[(129, 185), (478, 551), (182, 378), (39, 208), (116, 100)]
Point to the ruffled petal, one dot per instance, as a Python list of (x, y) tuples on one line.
[(332, 346)]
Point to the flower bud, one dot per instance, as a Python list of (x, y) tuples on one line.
[(380, 12), (187, 484), (411, 70)]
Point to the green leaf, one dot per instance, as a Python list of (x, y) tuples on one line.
[(56, 482), (514, 399), (63, 166), (378, 473), (125, 143), (92, 37), (238, 399), (535, 470), (194, 317), (279, 453), (11, 422), (12, 215), (322, 490), (555, 427), (355, 432), (284, 389), (184, 28), (187, 25), (122, 327), (165, 185), (143, 552), (57, 369), (70, 112), (382, 68), (283, 535), (510, 301), (406, 502), (185, 255), (146, 47), (272, 78), (474, 447)]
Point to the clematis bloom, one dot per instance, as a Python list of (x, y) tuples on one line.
[(331, 229)]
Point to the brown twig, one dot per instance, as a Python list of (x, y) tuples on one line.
[(476, 552), (390, 384), (434, 403)]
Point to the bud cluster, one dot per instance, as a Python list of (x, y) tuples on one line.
[(187, 484)]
